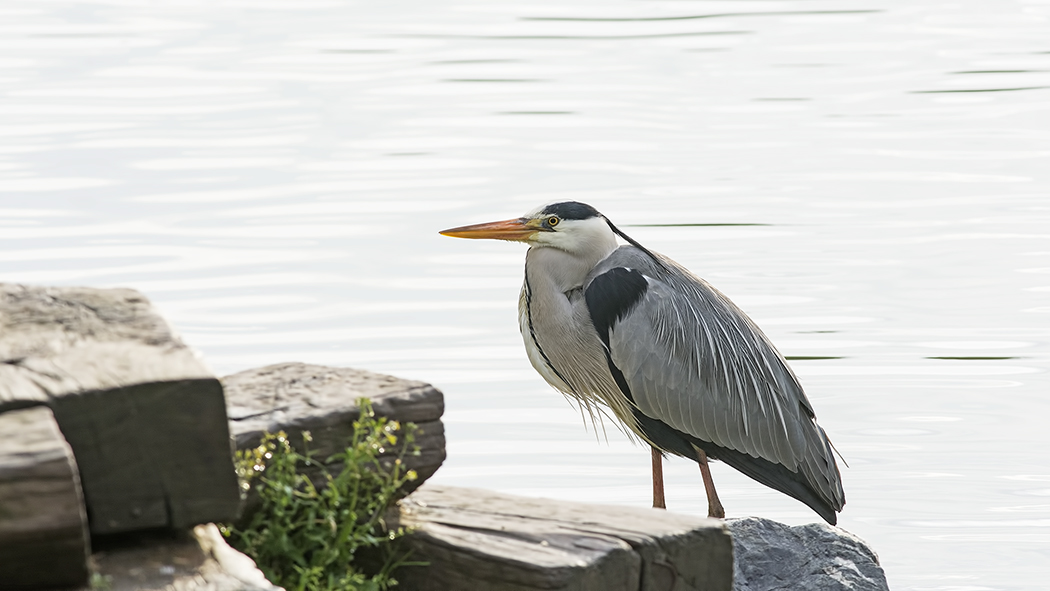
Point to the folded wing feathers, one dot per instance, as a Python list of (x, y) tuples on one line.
[(698, 363)]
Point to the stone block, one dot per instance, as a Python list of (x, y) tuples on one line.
[(145, 419), (44, 538), (297, 397), (479, 539)]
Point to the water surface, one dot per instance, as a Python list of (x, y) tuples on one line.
[(868, 180)]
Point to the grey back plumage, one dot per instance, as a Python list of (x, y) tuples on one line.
[(694, 361)]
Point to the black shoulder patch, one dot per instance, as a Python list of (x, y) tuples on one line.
[(611, 295), (571, 210)]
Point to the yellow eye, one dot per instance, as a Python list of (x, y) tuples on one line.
[(552, 221)]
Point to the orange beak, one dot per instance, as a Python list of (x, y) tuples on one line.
[(518, 229)]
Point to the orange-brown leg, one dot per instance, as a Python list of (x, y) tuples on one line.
[(714, 506), (658, 480)]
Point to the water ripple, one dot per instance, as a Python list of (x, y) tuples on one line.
[(867, 180)]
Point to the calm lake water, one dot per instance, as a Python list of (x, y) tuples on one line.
[(870, 180)]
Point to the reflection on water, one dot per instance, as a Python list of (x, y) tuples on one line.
[(869, 181)]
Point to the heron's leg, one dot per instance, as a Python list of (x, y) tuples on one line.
[(714, 506), (658, 480)]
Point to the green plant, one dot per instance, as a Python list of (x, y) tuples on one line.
[(100, 582), (313, 519)]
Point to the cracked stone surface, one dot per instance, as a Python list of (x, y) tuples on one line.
[(297, 397), (481, 539), (146, 420), (772, 556)]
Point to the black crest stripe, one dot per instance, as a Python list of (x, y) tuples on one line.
[(571, 210), (635, 244)]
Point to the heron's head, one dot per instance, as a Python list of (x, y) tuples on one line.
[(571, 226)]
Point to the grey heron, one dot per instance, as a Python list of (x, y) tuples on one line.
[(626, 329)]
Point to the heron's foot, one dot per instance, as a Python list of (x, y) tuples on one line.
[(716, 511)]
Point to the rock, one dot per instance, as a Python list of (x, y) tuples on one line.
[(296, 397), (816, 557), (237, 565), (43, 526), (176, 561), (478, 539), (143, 416)]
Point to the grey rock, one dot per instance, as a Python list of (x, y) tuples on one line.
[(479, 539), (43, 525), (771, 556), (143, 416), (197, 560), (297, 397)]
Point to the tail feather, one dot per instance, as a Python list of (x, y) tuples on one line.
[(775, 476)]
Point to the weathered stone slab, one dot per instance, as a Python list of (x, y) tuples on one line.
[(177, 561), (43, 527), (296, 397), (478, 539), (816, 557), (144, 417)]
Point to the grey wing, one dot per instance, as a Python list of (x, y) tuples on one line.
[(696, 362)]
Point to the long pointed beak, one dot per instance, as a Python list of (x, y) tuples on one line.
[(517, 229)]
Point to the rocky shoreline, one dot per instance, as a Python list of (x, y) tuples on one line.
[(117, 459)]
